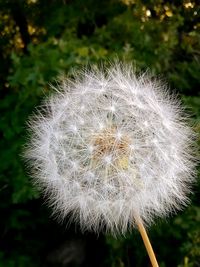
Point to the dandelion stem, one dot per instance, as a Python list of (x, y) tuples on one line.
[(147, 243)]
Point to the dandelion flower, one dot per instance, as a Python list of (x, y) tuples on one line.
[(112, 146)]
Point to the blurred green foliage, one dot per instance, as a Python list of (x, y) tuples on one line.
[(42, 40)]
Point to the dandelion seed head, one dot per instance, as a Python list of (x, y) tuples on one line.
[(113, 145)]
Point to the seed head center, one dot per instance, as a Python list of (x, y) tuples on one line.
[(110, 142)]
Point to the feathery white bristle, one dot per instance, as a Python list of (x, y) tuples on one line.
[(112, 146)]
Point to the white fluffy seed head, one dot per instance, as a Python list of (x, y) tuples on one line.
[(112, 146)]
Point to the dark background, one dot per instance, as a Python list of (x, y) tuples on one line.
[(42, 40)]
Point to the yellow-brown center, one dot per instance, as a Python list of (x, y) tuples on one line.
[(110, 142)]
